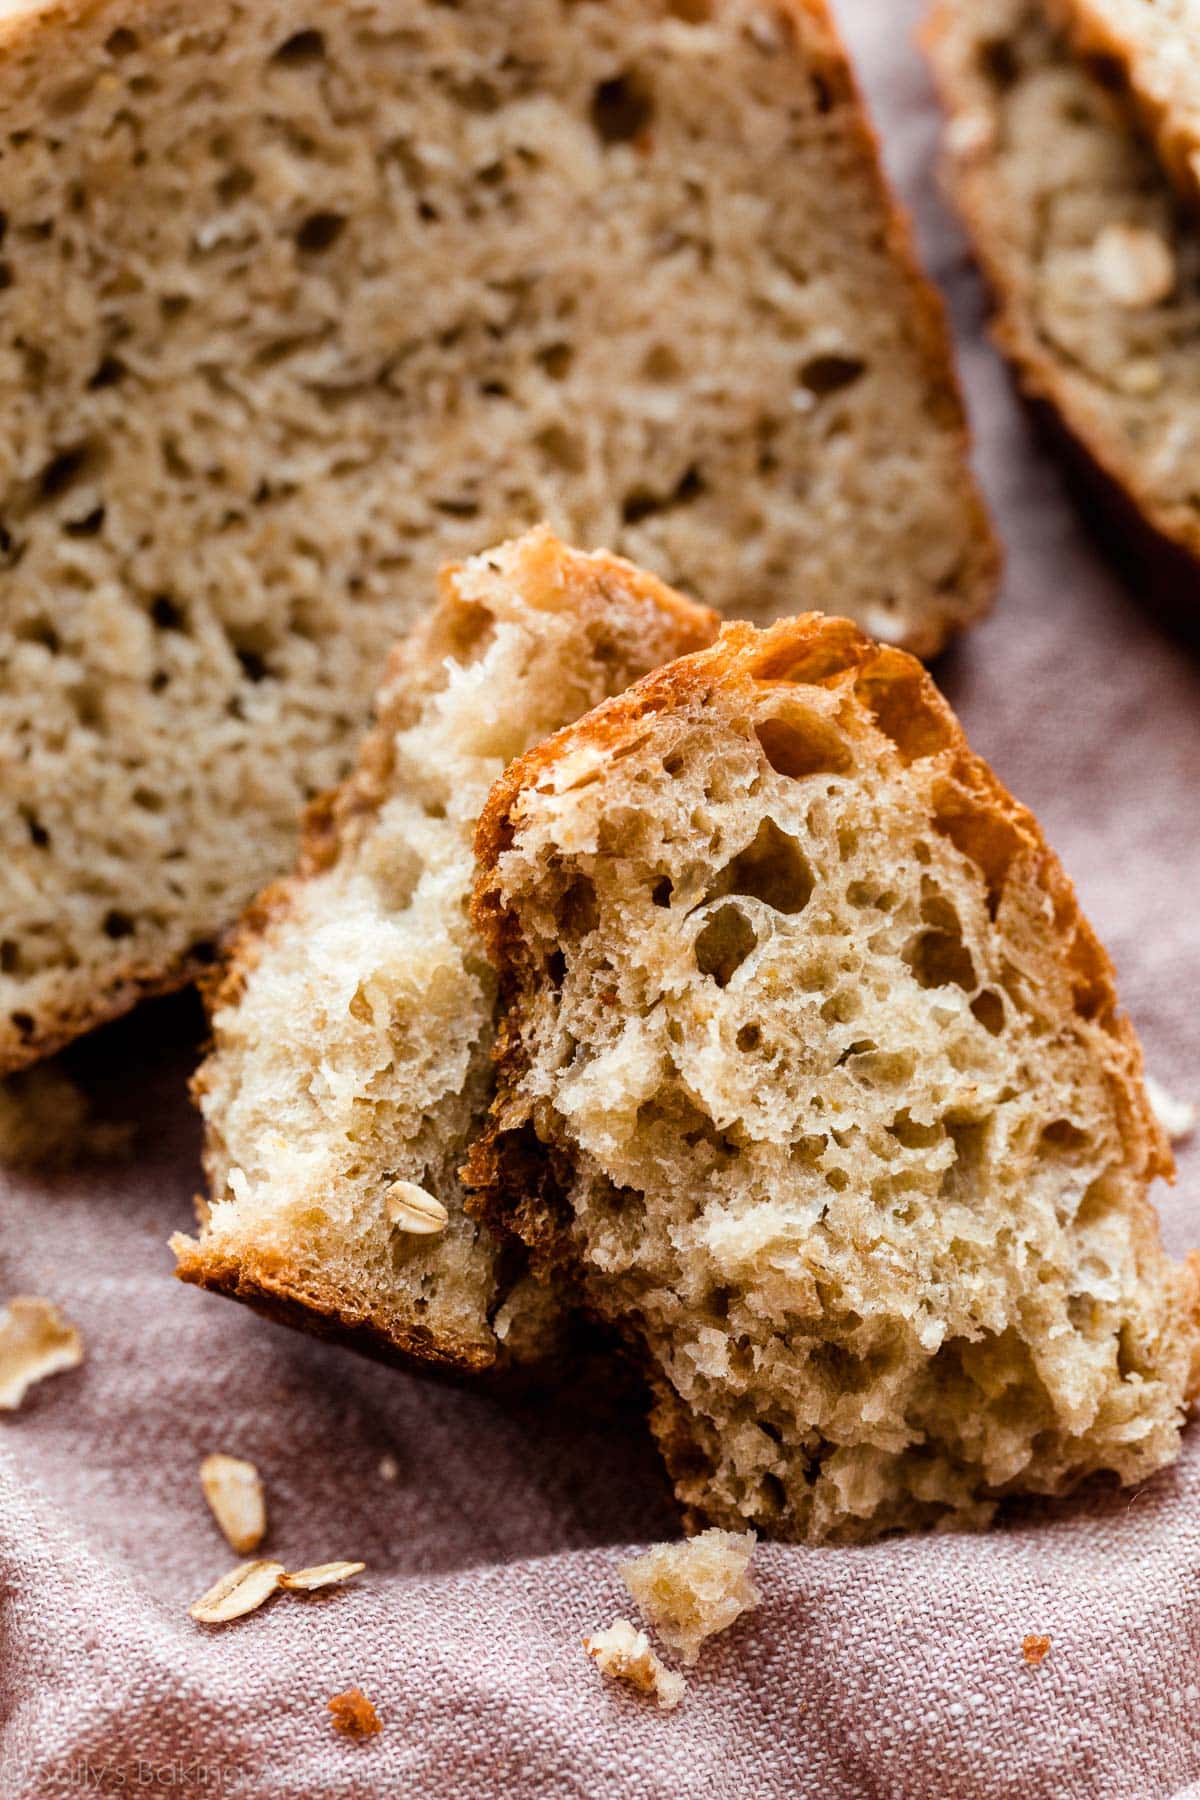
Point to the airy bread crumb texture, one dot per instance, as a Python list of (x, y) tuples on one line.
[(623, 1653), (844, 1129), (689, 1592), (1094, 263), (352, 1027), (297, 301)]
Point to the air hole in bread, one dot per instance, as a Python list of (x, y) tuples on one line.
[(108, 372), (89, 524), (577, 910), (319, 232), (301, 48), (121, 42), (561, 449), (662, 891), (941, 959), (622, 108), (1062, 1135), (63, 470), (118, 924), (903, 708), (555, 360), (167, 614), (984, 837), (988, 1008), (999, 63), (798, 743), (692, 12), (235, 184), (253, 664), (749, 1037), (821, 376), (912, 1135), (723, 944), (641, 503), (772, 869), (660, 363)]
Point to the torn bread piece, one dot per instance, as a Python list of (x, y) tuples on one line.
[(812, 1078), (35, 1342), (352, 1024), (1094, 266), (688, 1592), (623, 1653), (354, 1715), (299, 300), (1151, 48)]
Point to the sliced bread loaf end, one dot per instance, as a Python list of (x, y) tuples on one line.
[(1151, 50), (352, 1024), (838, 1120), (1093, 262), (297, 301)]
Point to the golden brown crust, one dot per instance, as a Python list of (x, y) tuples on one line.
[(302, 1301), (1045, 377)]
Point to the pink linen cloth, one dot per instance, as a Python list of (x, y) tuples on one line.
[(890, 1670)]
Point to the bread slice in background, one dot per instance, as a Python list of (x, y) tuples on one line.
[(1151, 48), (836, 1117), (1093, 262), (297, 301), (352, 1021)]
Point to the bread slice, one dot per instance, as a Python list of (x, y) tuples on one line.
[(297, 301), (1152, 48), (352, 1022), (1094, 266), (812, 1080)]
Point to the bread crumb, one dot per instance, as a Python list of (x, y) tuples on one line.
[(46, 1122), (35, 1341), (691, 1590), (389, 1469), (353, 1714), (1035, 1649), (234, 1492), (1177, 1117), (623, 1654)]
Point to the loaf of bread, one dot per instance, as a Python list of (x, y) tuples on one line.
[(1152, 49), (297, 301), (352, 1023), (812, 1082), (1094, 264)]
